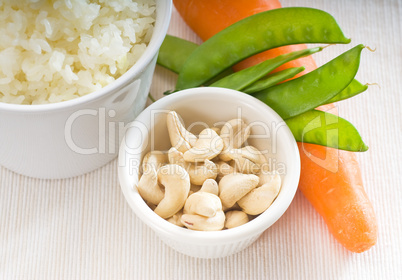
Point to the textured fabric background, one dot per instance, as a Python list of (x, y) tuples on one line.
[(82, 228)]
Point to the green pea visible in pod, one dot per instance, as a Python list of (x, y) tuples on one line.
[(254, 34), (326, 129), (315, 88), (240, 80)]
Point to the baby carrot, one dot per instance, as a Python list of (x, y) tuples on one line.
[(334, 185)]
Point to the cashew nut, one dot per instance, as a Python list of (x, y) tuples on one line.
[(176, 219), (232, 187), (235, 219), (203, 211), (233, 133), (176, 181), (176, 157), (259, 199), (198, 172), (154, 159), (208, 146), (180, 138), (197, 222), (210, 186), (224, 168), (151, 205), (216, 129), (202, 203), (247, 160), (201, 172), (149, 188), (181, 186)]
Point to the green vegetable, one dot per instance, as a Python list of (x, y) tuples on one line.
[(174, 51), (315, 88), (220, 76), (326, 129), (354, 88), (293, 100), (241, 79), (255, 34), (273, 79)]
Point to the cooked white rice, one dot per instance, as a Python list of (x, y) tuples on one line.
[(57, 50)]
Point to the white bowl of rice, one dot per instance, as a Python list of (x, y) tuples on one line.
[(73, 73)]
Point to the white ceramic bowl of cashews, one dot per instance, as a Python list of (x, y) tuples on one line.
[(199, 110)]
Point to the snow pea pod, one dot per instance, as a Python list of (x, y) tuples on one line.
[(354, 88), (315, 88), (254, 34), (174, 51), (326, 129), (273, 79), (241, 79)]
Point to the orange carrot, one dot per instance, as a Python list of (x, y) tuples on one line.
[(334, 185), (338, 197)]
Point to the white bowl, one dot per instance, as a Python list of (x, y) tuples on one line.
[(209, 105), (77, 136)]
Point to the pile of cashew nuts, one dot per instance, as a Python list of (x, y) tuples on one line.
[(209, 182)]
